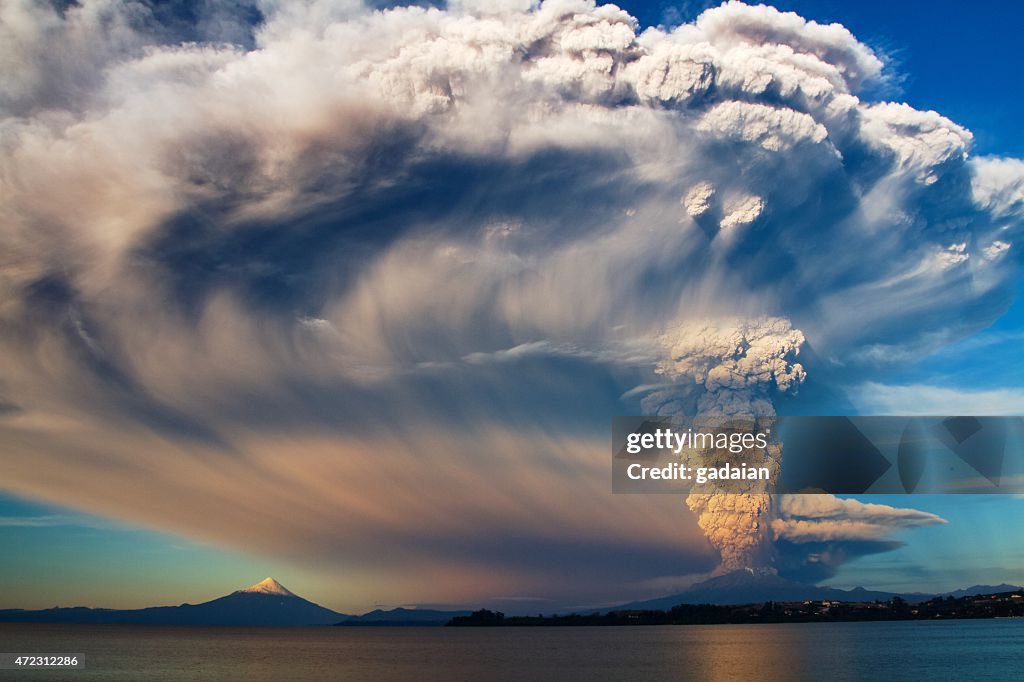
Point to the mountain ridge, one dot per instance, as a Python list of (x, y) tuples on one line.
[(269, 603), (404, 616), (751, 587)]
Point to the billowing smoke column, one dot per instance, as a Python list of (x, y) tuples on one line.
[(731, 368)]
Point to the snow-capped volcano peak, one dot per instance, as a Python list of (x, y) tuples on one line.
[(270, 586)]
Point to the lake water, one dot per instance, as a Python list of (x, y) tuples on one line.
[(953, 650)]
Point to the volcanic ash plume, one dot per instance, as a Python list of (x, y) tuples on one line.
[(345, 232), (735, 367)]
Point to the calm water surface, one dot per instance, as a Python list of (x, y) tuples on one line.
[(951, 650)]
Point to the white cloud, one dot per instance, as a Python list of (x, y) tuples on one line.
[(996, 249), (825, 518), (697, 201), (921, 399), (742, 211)]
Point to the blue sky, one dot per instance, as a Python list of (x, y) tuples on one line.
[(957, 58), (66, 550), (978, 546)]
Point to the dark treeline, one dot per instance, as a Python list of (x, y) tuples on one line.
[(1004, 605)]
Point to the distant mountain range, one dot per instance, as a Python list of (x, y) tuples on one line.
[(755, 587), (401, 616), (269, 603)]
